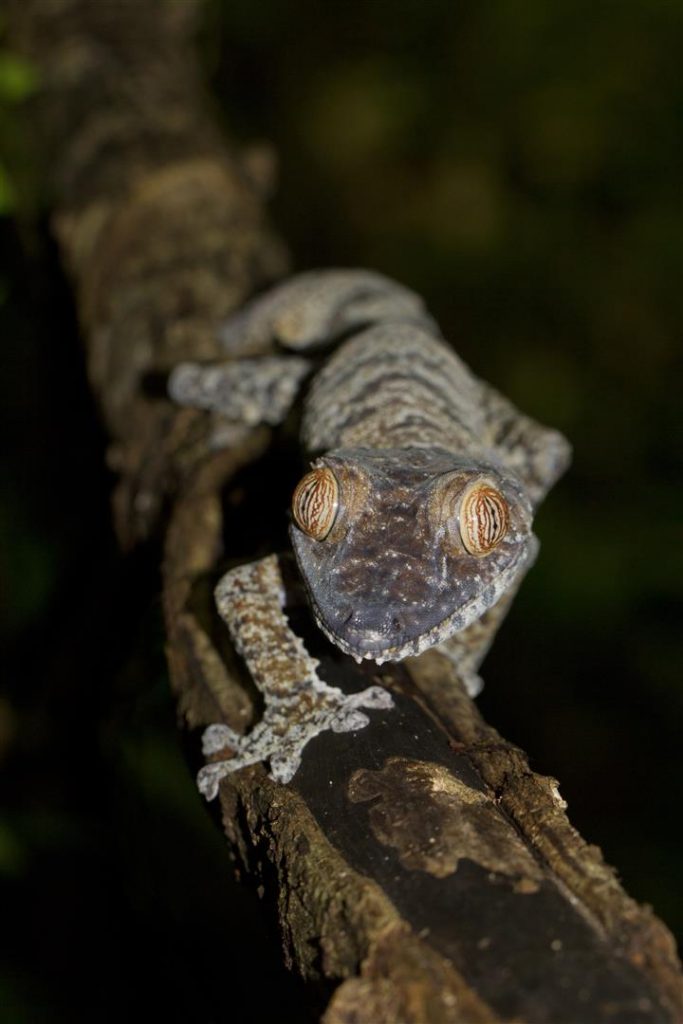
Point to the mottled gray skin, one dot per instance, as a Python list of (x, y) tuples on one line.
[(298, 705), (406, 428)]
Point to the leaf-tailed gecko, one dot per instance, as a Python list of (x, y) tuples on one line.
[(412, 527)]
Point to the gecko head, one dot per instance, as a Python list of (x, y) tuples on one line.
[(399, 549)]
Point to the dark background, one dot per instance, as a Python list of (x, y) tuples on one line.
[(519, 165)]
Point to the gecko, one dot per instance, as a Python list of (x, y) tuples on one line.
[(412, 526)]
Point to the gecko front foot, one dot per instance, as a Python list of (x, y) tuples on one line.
[(285, 729), (298, 704)]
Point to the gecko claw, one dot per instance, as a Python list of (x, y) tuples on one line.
[(377, 697), (209, 777), (350, 721)]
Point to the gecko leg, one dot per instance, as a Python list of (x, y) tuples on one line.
[(298, 704), (316, 308), (248, 391), (255, 383), (466, 650), (537, 454)]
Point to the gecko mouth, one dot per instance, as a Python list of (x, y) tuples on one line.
[(371, 644)]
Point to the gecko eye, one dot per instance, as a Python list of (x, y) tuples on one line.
[(483, 518), (315, 502)]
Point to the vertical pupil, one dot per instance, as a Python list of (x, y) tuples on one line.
[(485, 519), (312, 502), (489, 520)]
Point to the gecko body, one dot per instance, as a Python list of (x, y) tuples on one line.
[(413, 525), (401, 424)]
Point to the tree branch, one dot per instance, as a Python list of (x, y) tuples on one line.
[(419, 862)]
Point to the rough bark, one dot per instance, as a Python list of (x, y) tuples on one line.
[(420, 862)]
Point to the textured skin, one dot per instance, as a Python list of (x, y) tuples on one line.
[(298, 704), (395, 412), (387, 583), (407, 430)]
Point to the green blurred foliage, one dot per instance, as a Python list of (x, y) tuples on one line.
[(518, 164), (18, 81)]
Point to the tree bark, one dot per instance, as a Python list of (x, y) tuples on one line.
[(420, 863)]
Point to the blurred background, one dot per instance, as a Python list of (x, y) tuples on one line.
[(517, 164)]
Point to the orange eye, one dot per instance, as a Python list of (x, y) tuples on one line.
[(315, 502), (483, 518)]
